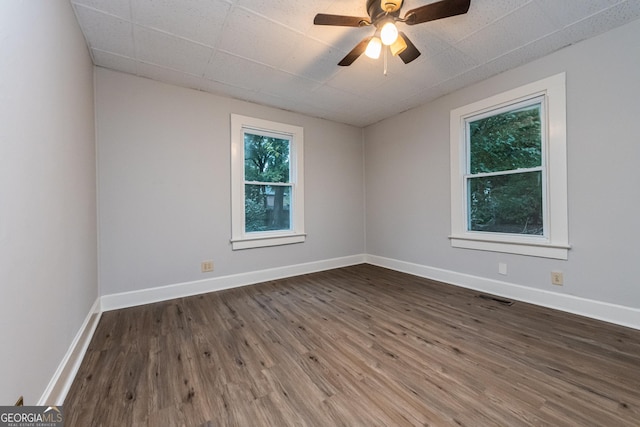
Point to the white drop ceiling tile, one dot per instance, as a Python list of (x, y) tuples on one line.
[(197, 20), (167, 75), (564, 12), (596, 24), (421, 97), (314, 60), (114, 62), (120, 8), (416, 75), (328, 98), (288, 86), (447, 64), (366, 74), (342, 38), (395, 91), (526, 24), (513, 59), (346, 7), (240, 72), (269, 51), (264, 99), (254, 37), (353, 104), (481, 14), (227, 91), (310, 109), (426, 42), (460, 81), (106, 32), (171, 52), (530, 52), (295, 15)]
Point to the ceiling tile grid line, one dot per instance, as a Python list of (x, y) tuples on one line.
[(269, 51)]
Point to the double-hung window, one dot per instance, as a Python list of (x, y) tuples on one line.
[(508, 172), (267, 187)]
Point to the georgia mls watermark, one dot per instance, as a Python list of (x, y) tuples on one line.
[(31, 416)]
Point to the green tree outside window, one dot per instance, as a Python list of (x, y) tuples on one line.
[(267, 183), (504, 179)]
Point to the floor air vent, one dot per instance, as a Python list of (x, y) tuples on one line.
[(496, 299)]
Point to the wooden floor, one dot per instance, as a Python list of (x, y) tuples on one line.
[(358, 346)]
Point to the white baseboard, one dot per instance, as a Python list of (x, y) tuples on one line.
[(57, 389), (612, 313), (180, 290), (59, 385), (62, 379)]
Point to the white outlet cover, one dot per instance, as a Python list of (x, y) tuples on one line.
[(502, 268)]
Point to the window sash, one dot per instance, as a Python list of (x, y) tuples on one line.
[(512, 107), (268, 134), (491, 112), (554, 243), (240, 237)]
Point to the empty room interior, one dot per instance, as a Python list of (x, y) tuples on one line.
[(314, 213)]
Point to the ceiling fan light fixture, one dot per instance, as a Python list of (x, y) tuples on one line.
[(389, 33), (398, 46), (386, 13), (373, 48)]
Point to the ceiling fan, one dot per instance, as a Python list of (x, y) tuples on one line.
[(383, 14)]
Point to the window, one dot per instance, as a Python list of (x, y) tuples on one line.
[(267, 188), (508, 172)]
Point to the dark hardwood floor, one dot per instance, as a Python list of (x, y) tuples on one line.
[(357, 346)]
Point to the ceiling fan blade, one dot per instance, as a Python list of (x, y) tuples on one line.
[(340, 20), (438, 10), (411, 52), (355, 52)]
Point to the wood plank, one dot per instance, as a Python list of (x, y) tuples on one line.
[(361, 345)]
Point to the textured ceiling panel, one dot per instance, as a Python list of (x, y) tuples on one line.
[(269, 51), (198, 20)]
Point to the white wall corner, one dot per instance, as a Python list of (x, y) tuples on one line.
[(181, 290), (56, 391), (607, 312)]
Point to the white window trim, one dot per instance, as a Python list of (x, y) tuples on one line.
[(555, 243), (239, 238)]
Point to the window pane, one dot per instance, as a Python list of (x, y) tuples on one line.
[(267, 208), (506, 141), (266, 159), (506, 203)]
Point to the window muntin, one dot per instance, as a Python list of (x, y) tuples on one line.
[(541, 175), (267, 183), (505, 172)]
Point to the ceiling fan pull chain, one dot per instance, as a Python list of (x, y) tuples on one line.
[(385, 60)]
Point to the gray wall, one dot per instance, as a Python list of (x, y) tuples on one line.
[(164, 186), (407, 176), (48, 262)]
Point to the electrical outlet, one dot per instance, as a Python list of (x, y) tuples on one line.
[(206, 266), (20, 401), (502, 268), (556, 278)]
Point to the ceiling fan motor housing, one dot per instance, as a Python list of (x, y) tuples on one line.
[(377, 9), (390, 5)]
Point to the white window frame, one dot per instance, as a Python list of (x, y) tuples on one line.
[(555, 241), (240, 239)]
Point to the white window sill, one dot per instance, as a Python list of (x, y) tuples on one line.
[(264, 241), (541, 249)]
